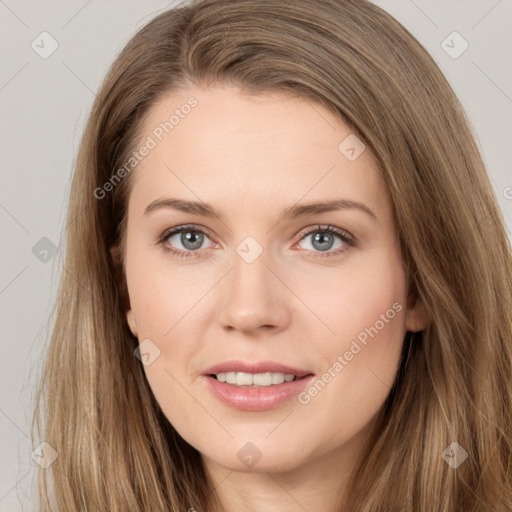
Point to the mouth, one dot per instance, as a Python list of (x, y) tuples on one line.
[(255, 386)]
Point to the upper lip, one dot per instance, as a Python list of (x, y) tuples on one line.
[(255, 367)]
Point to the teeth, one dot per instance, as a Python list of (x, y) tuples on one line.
[(254, 379)]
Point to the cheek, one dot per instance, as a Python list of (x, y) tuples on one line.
[(166, 302), (161, 294), (349, 299), (366, 312)]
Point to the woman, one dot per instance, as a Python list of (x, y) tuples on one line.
[(288, 282)]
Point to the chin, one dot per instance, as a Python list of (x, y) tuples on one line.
[(257, 457)]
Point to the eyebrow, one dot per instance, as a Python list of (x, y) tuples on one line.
[(293, 212)]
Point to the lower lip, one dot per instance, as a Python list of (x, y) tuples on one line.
[(262, 398)]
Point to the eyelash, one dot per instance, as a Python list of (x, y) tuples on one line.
[(346, 237)]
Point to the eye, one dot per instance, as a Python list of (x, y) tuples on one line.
[(191, 239), (324, 240)]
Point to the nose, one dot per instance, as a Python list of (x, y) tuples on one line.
[(253, 297)]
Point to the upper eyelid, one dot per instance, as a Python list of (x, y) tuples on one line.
[(178, 229), (326, 227)]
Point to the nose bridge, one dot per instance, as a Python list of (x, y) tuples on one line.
[(251, 273), (252, 296)]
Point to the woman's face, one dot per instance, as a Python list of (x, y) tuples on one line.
[(261, 286)]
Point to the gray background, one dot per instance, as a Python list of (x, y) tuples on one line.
[(44, 104)]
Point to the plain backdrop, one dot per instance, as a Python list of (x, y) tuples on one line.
[(44, 103)]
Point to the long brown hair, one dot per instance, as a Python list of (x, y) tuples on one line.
[(116, 450)]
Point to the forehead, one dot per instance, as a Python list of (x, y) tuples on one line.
[(228, 147)]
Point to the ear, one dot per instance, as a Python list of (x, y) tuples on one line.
[(130, 317), (115, 253), (416, 317)]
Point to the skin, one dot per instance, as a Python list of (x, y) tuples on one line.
[(250, 157)]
